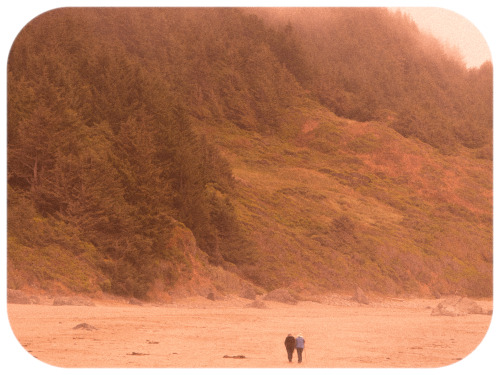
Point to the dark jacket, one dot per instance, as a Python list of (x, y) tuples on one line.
[(290, 343)]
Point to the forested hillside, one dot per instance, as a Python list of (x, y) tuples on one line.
[(308, 149)]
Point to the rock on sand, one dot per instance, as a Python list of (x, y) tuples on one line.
[(457, 306), (17, 296), (281, 295), (360, 296)]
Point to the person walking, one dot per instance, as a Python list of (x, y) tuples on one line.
[(300, 344), (290, 346)]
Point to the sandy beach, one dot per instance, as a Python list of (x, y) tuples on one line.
[(199, 333)]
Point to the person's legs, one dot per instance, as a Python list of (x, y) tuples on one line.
[(299, 354), (290, 355)]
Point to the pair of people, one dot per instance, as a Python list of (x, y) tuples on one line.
[(292, 343)]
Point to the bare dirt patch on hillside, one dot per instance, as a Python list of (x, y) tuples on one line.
[(197, 332)]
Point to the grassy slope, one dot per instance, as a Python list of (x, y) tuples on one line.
[(328, 204), (345, 203)]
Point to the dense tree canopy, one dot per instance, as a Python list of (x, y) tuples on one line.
[(370, 63), (102, 102)]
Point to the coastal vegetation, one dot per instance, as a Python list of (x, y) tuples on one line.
[(303, 148)]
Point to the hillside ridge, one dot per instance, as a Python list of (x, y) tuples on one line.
[(160, 152)]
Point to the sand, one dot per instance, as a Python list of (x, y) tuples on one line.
[(198, 333)]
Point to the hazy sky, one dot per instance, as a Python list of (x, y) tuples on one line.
[(453, 29), (446, 25)]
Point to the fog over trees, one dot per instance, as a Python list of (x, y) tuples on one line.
[(105, 156)]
